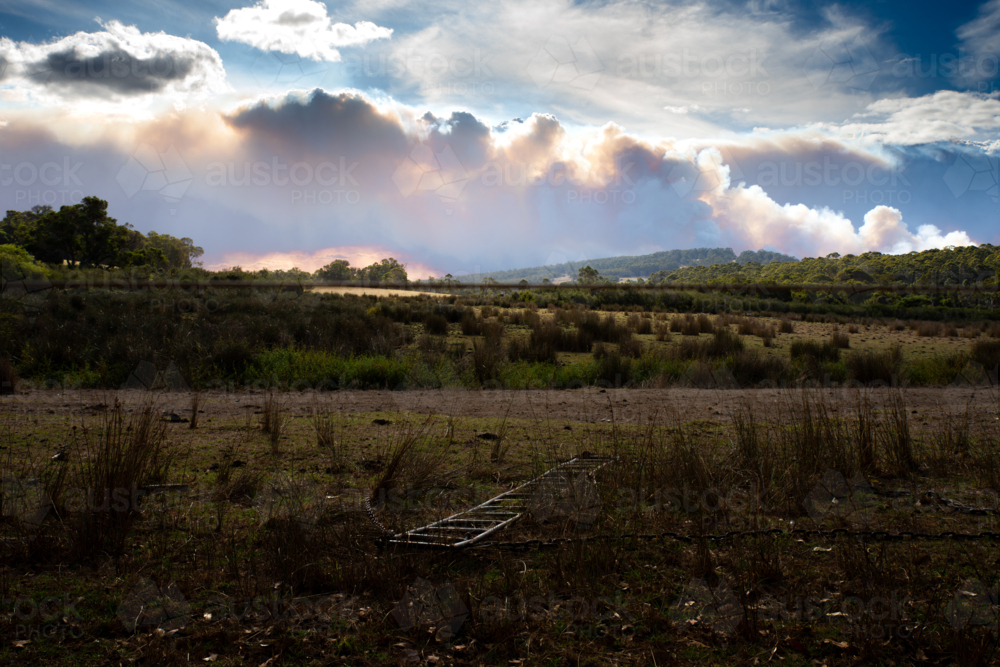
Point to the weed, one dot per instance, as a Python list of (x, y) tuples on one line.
[(125, 454), (436, 325), (871, 366), (8, 376)]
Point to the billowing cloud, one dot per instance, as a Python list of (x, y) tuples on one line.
[(116, 63), (283, 180), (301, 27)]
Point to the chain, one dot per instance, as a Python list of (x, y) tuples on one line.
[(375, 522), (692, 538), (795, 533)]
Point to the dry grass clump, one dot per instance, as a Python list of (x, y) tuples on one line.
[(824, 351), (787, 460), (690, 325), (876, 366), (414, 462), (123, 454), (927, 329), (436, 325), (195, 404), (662, 332), (639, 325), (614, 369), (631, 347), (986, 353), (488, 355), (273, 419), (746, 326), (8, 376), (471, 324), (604, 329), (542, 345), (752, 368), (723, 343), (839, 340)]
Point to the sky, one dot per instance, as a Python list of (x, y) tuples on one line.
[(473, 137)]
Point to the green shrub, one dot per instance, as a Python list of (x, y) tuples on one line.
[(940, 369), (614, 369)]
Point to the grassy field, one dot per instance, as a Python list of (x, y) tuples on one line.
[(210, 476), (229, 527)]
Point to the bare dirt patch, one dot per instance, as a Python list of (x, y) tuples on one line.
[(588, 405)]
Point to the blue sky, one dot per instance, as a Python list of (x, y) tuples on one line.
[(476, 136)]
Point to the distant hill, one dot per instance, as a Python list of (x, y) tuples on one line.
[(637, 266)]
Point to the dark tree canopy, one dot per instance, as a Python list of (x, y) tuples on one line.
[(85, 235)]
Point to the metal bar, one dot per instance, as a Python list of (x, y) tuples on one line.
[(466, 521)]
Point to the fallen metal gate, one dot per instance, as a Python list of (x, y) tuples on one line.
[(476, 524)]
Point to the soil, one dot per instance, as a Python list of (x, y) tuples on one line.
[(589, 405)]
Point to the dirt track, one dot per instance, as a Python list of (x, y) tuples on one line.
[(581, 405)]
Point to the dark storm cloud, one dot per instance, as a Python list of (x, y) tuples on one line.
[(117, 63), (114, 70), (321, 123)]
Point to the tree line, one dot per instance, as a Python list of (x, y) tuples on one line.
[(84, 235), (968, 266), (632, 266)]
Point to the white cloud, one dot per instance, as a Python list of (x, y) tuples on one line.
[(683, 111), (116, 64), (942, 116), (981, 38), (295, 173), (639, 60), (295, 26), (884, 229)]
